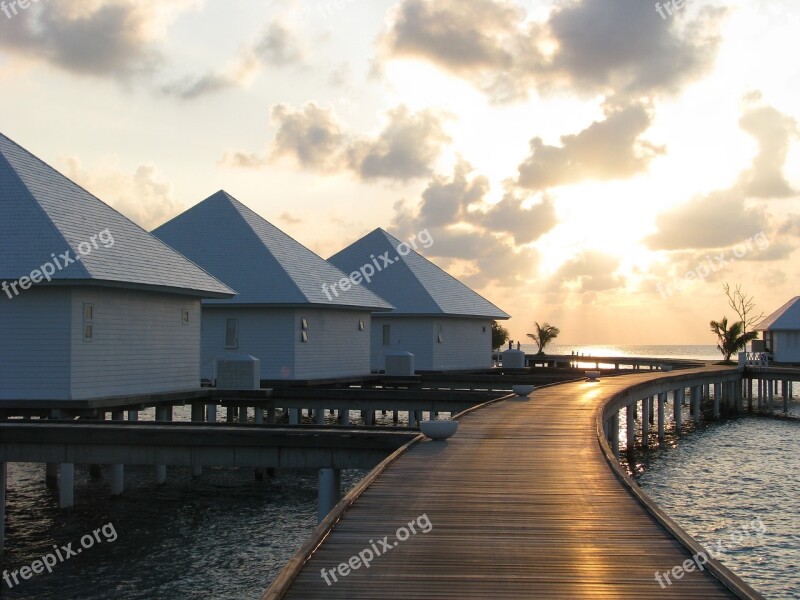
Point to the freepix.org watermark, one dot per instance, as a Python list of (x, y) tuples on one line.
[(58, 263), (714, 264), (377, 264), (11, 8), (421, 524), (755, 528), (671, 7), (106, 533)]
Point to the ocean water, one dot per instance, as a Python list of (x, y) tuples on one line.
[(225, 535), (734, 485)]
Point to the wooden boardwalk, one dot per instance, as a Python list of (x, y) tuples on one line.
[(522, 504)]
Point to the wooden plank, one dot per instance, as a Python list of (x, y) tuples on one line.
[(521, 503)]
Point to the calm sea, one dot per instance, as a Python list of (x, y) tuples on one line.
[(224, 536)]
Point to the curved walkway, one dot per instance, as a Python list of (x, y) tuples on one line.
[(521, 504)]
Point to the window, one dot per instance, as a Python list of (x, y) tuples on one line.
[(484, 329), (185, 316), (304, 336), (361, 325), (231, 334), (387, 335), (304, 324), (88, 322), (440, 336)]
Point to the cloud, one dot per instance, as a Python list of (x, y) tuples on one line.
[(473, 234), (774, 132), (99, 38), (312, 136), (791, 226), (589, 271), (716, 220), (142, 196), (276, 46), (609, 149), (727, 217), (406, 148), (614, 47)]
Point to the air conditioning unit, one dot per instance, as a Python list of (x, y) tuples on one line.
[(242, 372), (399, 364)]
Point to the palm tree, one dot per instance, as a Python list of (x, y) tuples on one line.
[(731, 340), (545, 333)]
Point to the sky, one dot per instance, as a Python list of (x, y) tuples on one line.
[(602, 165)]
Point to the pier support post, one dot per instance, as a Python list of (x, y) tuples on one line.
[(161, 470), (258, 415), (344, 416), (319, 416), (211, 413), (242, 414), (395, 416), (66, 485), (785, 397), (330, 489), (117, 471), (294, 416), (197, 417), (697, 394), (615, 434), (412, 418), (51, 475), (646, 422), (678, 398), (662, 398), (630, 418), (716, 401), (3, 474), (369, 418), (771, 396), (749, 384), (651, 404), (271, 415)]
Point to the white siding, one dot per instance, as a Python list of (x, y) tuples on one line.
[(266, 333), (465, 344), (786, 346), (335, 347), (140, 344), (35, 349)]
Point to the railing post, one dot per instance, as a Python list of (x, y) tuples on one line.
[(615, 434)]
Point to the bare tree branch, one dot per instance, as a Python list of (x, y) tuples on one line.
[(743, 305)]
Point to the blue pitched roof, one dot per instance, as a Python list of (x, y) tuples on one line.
[(412, 283), (786, 318), (265, 265), (44, 215)]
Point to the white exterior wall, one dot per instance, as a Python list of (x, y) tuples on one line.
[(335, 347), (140, 344), (465, 345), (786, 346), (35, 347)]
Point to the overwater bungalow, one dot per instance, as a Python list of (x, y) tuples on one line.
[(781, 332), (92, 305), (284, 313), (444, 324)]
